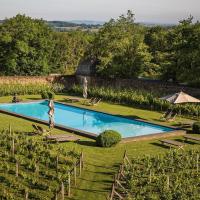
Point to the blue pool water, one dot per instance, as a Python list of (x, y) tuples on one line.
[(86, 120)]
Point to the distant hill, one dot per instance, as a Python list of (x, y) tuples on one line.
[(88, 22), (151, 24), (66, 24)]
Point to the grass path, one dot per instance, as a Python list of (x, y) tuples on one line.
[(100, 163)]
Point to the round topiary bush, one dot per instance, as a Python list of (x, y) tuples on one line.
[(108, 138), (196, 127)]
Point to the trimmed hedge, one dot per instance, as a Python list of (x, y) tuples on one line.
[(108, 138), (196, 127)]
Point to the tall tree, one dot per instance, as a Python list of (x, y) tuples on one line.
[(119, 49), (69, 49), (157, 40), (25, 46), (184, 52)]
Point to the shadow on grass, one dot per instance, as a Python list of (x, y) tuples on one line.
[(87, 143), (31, 133), (186, 141), (99, 181), (91, 190), (100, 166), (160, 145), (189, 131), (133, 117), (34, 98)]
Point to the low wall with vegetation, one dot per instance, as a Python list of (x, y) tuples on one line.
[(137, 98), (22, 85), (157, 87)]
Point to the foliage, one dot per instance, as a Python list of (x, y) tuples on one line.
[(57, 87), (140, 99), (41, 167), (196, 127), (118, 48), (47, 95), (25, 46), (22, 89), (68, 51), (108, 138), (174, 175), (121, 48), (29, 88), (157, 40), (179, 51)]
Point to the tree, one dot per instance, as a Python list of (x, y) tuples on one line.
[(69, 49), (184, 52), (188, 50), (157, 40), (25, 46), (119, 49)]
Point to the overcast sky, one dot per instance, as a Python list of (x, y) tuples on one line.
[(161, 11)]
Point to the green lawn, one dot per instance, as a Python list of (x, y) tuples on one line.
[(100, 163)]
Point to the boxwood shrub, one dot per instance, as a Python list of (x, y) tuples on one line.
[(196, 127), (108, 138)]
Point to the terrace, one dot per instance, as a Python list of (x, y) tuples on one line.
[(101, 163)]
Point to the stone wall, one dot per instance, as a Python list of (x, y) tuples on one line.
[(156, 86), (149, 85), (26, 79)]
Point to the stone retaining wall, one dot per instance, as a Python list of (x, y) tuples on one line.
[(68, 81)]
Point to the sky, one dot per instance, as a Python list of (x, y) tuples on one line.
[(154, 11)]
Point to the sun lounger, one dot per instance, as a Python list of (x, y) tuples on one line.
[(40, 130), (87, 102), (171, 117), (189, 137), (167, 114), (36, 129), (72, 100), (94, 102), (173, 143)]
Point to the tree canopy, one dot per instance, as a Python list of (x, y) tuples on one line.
[(25, 46), (121, 48)]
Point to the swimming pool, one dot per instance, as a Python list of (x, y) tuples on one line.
[(85, 120)]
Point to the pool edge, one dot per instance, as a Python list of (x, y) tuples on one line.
[(176, 131)]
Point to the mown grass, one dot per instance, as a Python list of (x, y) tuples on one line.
[(100, 163)]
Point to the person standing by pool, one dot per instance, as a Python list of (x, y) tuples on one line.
[(51, 114)]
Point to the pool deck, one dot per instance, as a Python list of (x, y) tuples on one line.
[(176, 132)]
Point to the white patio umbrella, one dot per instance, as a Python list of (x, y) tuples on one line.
[(180, 97), (85, 87)]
